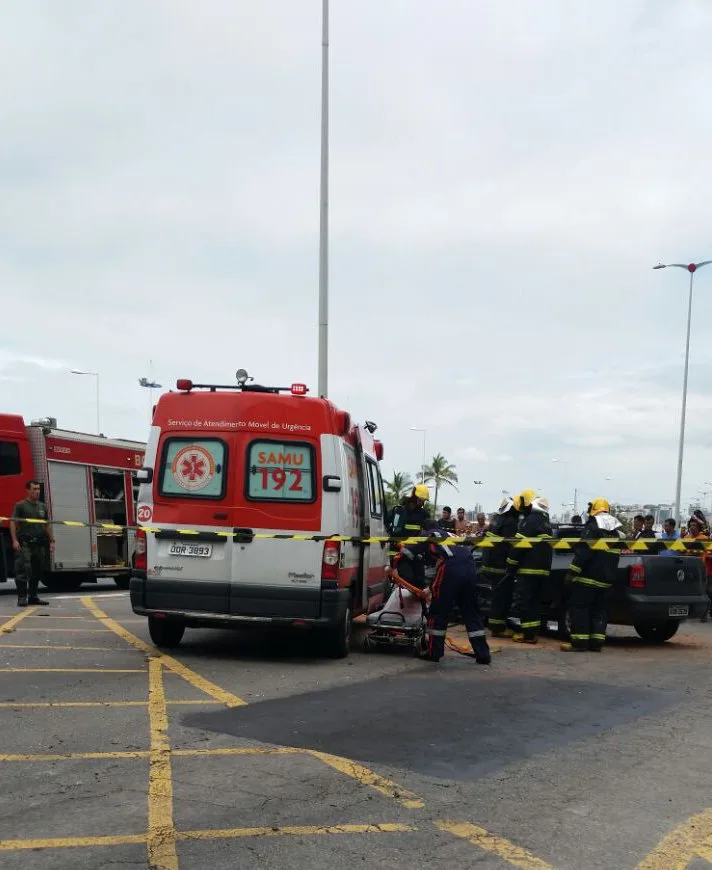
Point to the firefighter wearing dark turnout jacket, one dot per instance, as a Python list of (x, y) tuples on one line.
[(531, 563), (455, 583), (494, 566), (591, 575), (408, 517)]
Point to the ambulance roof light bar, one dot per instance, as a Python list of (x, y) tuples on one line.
[(185, 385)]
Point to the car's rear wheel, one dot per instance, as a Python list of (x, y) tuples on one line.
[(337, 639), (165, 632), (658, 631), (564, 632)]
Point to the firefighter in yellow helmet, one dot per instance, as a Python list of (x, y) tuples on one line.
[(407, 518), (493, 568), (591, 575), (531, 565)]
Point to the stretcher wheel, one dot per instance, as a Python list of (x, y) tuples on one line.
[(369, 644)]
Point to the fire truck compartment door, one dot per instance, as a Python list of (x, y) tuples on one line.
[(69, 492)]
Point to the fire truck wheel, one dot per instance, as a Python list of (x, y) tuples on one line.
[(337, 640), (164, 632), (63, 582)]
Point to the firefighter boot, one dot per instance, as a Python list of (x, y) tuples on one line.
[(569, 647), (522, 638), (482, 652)]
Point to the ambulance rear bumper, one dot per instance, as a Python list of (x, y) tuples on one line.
[(197, 604)]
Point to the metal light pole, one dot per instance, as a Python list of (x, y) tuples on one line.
[(691, 268), (93, 375), (424, 431), (324, 209)]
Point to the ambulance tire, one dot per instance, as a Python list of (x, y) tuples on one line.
[(165, 633), (337, 639)]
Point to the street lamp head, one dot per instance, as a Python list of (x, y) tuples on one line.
[(660, 266)]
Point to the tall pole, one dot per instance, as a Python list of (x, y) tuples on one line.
[(424, 453), (98, 405), (324, 209), (681, 446), (691, 268)]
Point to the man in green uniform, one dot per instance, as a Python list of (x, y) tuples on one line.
[(28, 542)]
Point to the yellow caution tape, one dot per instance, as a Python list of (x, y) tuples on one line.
[(681, 545)]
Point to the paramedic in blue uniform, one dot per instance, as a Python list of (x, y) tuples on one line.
[(455, 583)]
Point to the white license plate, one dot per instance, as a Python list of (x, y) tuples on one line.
[(680, 610), (203, 550)]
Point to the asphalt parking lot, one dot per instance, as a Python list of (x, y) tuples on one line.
[(240, 750)]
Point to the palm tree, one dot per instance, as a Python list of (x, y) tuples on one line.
[(439, 472), (397, 487)]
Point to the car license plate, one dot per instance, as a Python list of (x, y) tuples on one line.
[(203, 550), (679, 610)]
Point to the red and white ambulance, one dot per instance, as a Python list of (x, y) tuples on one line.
[(252, 472), (85, 479)]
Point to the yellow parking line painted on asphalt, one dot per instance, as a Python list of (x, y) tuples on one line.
[(242, 750), (367, 777), (228, 833), (297, 830), (68, 630), (9, 626), (167, 661), (679, 847), (30, 704), (162, 853), (69, 842), (79, 756), (72, 670), (72, 648), (52, 616), (184, 753), (510, 853)]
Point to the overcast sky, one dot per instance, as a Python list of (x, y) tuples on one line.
[(504, 174)]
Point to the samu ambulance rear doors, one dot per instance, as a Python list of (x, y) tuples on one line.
[(230, 489)]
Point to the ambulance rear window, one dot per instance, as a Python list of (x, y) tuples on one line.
[(280, 471), (193, 467)]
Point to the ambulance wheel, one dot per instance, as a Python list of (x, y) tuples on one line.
[(337, 640), (164, 632)]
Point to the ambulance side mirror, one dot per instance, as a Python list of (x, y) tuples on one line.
[(332, 483), (144, 475)]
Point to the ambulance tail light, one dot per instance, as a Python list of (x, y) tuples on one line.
[(299, 389), (378, 449), (330, 560), (184, 384), (140, 555), (636, 576)]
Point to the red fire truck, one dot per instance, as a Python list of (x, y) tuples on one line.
[(87, 479)]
